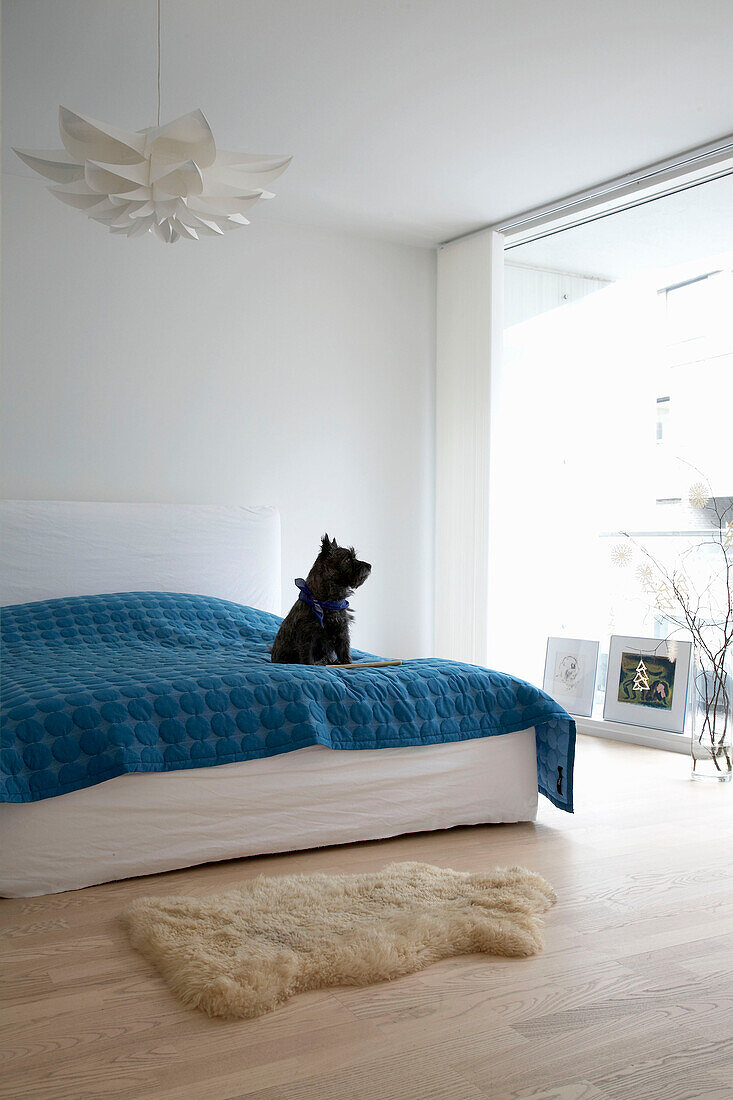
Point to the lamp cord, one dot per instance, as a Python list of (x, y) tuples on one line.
[(159, 62)]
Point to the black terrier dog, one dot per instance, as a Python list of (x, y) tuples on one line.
[(316, 629)]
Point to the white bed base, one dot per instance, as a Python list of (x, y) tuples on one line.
[(146, 823)]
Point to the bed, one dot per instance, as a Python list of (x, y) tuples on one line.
[(145, 729)]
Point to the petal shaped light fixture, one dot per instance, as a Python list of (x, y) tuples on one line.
[(169, 180)]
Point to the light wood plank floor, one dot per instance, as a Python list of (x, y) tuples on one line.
[(631, 1000)]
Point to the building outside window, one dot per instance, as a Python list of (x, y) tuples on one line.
[(623, 390)]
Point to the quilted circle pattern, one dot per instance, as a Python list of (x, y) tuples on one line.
[(96, 686)]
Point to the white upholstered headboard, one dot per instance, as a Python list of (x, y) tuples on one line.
[(69, 548)]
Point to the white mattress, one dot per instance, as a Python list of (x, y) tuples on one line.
[(145, 823)]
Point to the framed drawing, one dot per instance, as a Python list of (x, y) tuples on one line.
[(647, 682), (570, 673)]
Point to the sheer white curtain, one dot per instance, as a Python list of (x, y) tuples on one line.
[(469, 338)]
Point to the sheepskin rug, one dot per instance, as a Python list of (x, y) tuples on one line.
[(244, 952)]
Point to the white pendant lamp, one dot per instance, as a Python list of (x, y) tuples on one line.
[(169, 180)]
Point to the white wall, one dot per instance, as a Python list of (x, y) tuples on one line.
[(279, 365)]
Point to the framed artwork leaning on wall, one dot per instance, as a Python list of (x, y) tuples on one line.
[(570, 673), (648, 681)]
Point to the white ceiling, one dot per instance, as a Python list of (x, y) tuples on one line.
[(416, 120)]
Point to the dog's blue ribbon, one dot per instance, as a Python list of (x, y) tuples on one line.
[(318, 606)]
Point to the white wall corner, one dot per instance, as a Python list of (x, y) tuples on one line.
[(468, 374)]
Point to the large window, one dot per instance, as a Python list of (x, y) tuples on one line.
[(617, 396)]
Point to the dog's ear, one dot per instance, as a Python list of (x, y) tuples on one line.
[(327, 545)]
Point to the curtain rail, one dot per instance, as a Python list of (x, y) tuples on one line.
[(692, 168)]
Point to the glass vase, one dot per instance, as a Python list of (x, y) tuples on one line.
[(712, 715)]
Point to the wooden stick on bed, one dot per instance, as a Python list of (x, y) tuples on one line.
[(368, 664)]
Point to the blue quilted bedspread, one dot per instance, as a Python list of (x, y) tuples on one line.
[(96, 686)]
